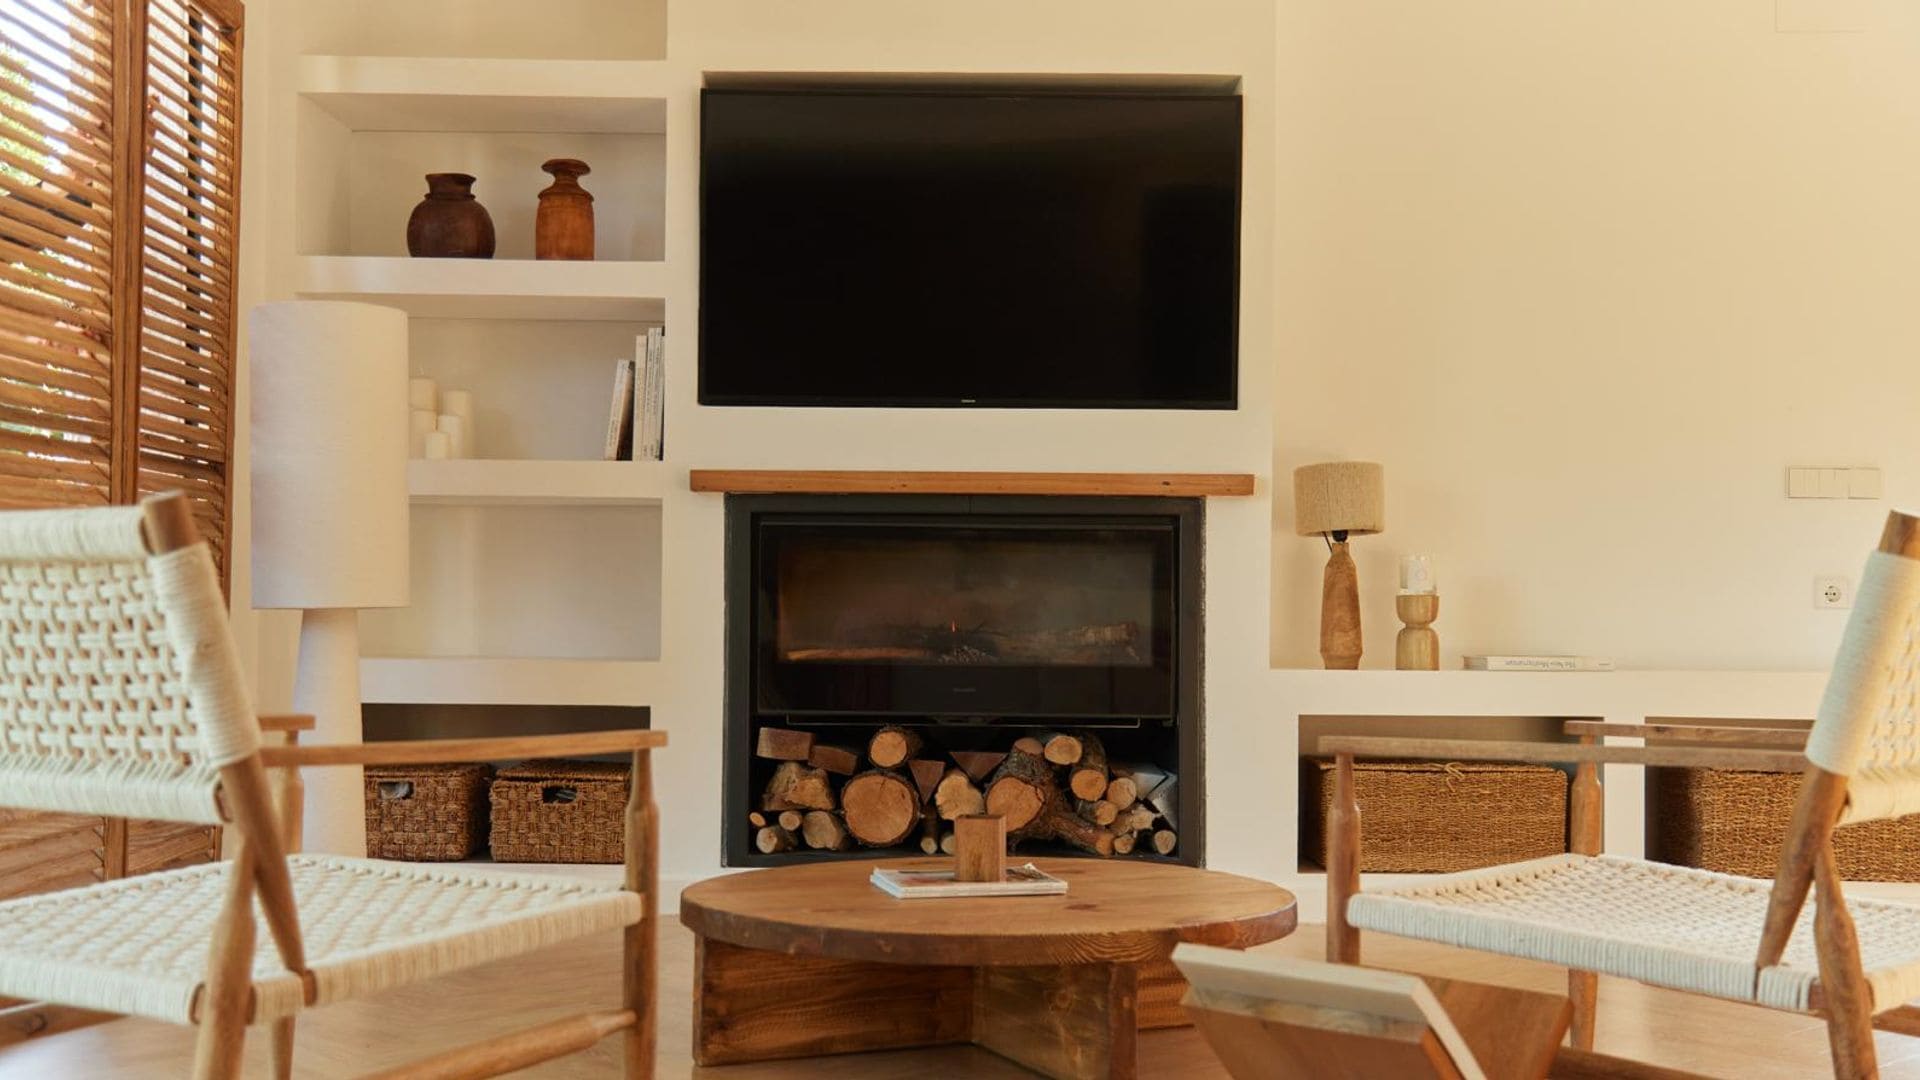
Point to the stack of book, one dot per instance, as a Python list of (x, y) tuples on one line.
[(636, 422)]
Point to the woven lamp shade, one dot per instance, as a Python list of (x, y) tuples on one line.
[(1339, 496)]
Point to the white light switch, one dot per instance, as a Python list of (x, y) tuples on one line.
[(1863, 483), (1826, 482), (1833, 483), (1803, 483)]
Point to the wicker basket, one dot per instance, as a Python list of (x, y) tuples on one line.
[(1429, 817), (1734, 821), (426, 813), (560, 811)]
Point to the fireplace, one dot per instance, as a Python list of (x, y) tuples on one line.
[(965, 623)]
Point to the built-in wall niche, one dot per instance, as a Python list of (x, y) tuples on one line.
[(538, 581), (541, 389), (550, 29), (392, 722), (356, 188)]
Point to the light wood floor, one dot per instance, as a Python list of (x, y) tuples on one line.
[(1672, 1029)]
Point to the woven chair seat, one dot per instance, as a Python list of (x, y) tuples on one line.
[(1669, 926), (139, 946)]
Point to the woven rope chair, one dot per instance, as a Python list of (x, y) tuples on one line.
[(1694, 930), (121, 695)]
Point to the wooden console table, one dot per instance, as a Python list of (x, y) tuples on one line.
[(803, 961)]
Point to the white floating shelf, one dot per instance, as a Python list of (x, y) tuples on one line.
[(411, 93), (507, 681), (537, 483), (606, 291), (1635, 695)]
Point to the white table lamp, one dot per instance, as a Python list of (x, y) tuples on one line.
[(329, 513)]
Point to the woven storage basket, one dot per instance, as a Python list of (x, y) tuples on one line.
[(1422, 817), (1735, 821), (426, 813), (560, 811)]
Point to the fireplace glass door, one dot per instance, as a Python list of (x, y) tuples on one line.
[(969, 616)]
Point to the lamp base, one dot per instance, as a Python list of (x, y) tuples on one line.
[(1340, 611), (327, 687)]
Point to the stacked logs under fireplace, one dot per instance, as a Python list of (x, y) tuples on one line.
[(900, 791)]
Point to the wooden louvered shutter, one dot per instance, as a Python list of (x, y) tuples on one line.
[(57, 140), (191, 233)]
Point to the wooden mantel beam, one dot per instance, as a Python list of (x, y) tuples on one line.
[(855, 482)]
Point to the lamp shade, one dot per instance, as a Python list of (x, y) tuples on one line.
[(329, 455), (1339, 496)]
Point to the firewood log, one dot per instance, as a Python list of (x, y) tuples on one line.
[(1164, 841), (757, 819), (784, 744), (1062, 824), (1098, 811), (926, 776), (1087, 778), (824, 830), (956, 796), (1145, 777), (1122, 792), (950, 843), (930, 835), (773, 840), (892, 746), (791, 820), (978, 764), (1123, 842), (880, 807), (1139, 819), (1020, 790), (835, 759), (1061, 748), (1028, 745), (1165, 798), (798, 787)]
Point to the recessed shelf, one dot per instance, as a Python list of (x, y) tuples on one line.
[(536, 483), (618, 291), (507, 681), (390, 93)]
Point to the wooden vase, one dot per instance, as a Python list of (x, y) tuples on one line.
[(1418, 646), (450, 223), (563, 226), (1340, 610)]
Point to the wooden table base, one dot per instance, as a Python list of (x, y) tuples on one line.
[(1077, 1021)]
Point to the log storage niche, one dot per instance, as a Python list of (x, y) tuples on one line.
[(899, 663)]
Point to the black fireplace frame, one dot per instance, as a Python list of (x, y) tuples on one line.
[(737, 741)]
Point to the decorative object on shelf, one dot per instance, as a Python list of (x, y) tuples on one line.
[(330, 513), (1418, 646), (420, 424), (555, 811), (1337, 500), (649, 394), (1537, 663), (563, 225), (450, 223), (1427, 817), (454, 427), (437, 446), (980, 841), (619, 445), (426, 813), (1735, 820)]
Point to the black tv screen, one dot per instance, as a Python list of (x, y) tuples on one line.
[(866, 248)]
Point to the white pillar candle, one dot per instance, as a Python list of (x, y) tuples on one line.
[(423, 394), (420, 424), (1416, 574), (455, 429), (438, 446), (459, 403)]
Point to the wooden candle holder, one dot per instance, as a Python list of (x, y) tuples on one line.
[(980, 848), (1418, 646)]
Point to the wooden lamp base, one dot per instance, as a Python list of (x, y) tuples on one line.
[(1340, 610)]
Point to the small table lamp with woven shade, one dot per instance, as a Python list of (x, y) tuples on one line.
[(1336, 500)]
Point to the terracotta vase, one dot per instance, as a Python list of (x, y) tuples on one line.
[(563, 226), (450, 223)]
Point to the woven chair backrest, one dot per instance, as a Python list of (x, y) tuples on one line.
[(121, 693), (1868, 728)]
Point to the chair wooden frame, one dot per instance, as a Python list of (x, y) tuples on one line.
[(1842, 993), (263, 816)]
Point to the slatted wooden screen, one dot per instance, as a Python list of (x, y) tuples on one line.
[(119, 201)]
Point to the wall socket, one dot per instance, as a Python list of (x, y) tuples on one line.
[(1832, 593)]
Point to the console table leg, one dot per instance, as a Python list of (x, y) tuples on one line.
[(1072, 1023)]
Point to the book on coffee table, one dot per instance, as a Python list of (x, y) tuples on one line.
[(1028, 880)]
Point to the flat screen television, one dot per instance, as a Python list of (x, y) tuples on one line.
[(864, 247)]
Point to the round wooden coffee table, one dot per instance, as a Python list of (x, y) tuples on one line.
[(809, 960)]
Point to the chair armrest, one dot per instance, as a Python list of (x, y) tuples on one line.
[(432, 751), (1750, 737), (286, 723), (1558, 753)]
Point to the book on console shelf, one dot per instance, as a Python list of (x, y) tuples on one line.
[(620, 414), (649, 399), (1538, 663), (1028, 880)]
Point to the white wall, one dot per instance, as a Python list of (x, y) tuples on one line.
[(1586, 278)]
